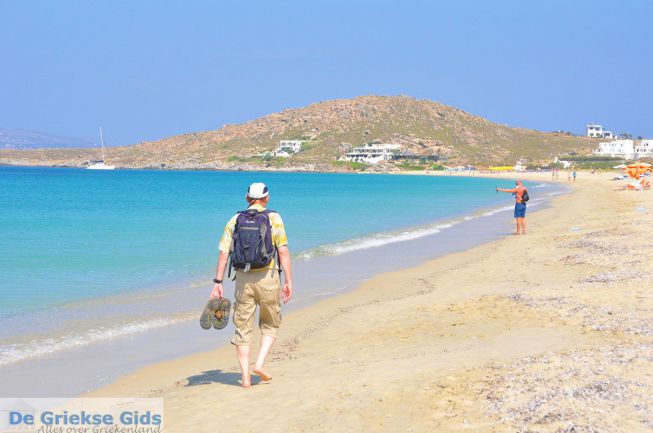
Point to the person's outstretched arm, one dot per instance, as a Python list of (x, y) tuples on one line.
[(512, 190), (284, 261)]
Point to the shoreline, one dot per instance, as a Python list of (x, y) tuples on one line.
[(459, 325), (309, 168)]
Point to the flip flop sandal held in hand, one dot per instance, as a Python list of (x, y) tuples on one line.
[(207, 319), (221, 314)]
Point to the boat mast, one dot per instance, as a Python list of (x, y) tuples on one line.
[(102, 143)]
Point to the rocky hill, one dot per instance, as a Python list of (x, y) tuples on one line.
[(330, 128)]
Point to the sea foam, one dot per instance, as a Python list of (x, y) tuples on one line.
[(38, 347), (390, 237)]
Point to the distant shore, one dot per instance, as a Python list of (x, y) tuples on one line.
[(314, 168), (309, 168)]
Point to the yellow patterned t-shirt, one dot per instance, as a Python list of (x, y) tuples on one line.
[(278, 233)]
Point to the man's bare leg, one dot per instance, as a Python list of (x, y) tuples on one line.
[(523, 225), (259, 367), (517, 230), (243, 360)]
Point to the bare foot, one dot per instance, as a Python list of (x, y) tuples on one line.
[(516, 234), (245, 382), (262, 374)]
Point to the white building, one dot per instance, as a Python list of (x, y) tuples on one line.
[(287, 148), (459, 168), (643, 148), (565, 164), (594, 130), (627, 149), (372, 153), (519, 166)]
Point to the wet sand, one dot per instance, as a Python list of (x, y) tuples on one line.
[(551, 331)]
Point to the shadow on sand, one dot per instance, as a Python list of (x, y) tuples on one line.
[(214, 376)]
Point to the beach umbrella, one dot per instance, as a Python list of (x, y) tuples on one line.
[(635, 169), (642, 167)]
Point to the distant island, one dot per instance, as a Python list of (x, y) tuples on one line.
[(26, 139), (422, 133)]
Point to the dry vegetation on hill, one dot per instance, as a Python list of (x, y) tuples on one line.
[(331, 127)]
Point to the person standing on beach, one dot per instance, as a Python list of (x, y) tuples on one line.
[(255, 286), (574, 175), (520, 205)]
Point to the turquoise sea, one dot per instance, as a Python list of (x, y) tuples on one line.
[(69, 234)]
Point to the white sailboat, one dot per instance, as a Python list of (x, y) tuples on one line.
[(100, 165)]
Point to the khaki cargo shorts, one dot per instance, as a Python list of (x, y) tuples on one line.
[(256, 288)]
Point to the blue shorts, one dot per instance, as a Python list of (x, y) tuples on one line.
[(520, 210)]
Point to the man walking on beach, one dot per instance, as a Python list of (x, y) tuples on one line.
[(258, 282), (520, 205)]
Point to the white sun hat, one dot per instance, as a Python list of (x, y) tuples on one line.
[(257, 190)]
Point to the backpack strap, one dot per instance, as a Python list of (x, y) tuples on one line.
[(277, 262), (230, 266)]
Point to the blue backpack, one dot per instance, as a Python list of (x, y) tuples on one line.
[(252, 246)]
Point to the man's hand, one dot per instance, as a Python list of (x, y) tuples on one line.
[(284, 260), (286, 292), (217, 292)]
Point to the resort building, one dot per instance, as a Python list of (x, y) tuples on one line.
[(644, 148), (519, 166), (627, 149), (460, 168), (594, 130), (287, 148), (565, 164), (372, 153)]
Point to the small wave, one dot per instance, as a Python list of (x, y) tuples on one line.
[(373, 241), (380, 239), (36, 348), (542, 185)]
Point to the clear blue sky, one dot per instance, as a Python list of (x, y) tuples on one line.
[(147, 69)]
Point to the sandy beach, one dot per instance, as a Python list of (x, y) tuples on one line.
[(547, 332)]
